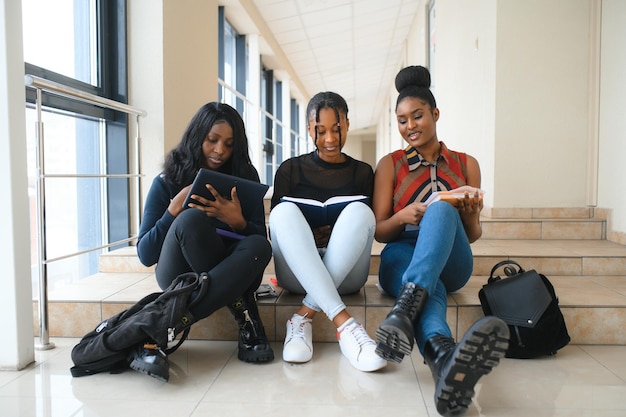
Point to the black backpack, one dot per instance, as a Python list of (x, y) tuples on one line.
[(527, 302), (157, 318)]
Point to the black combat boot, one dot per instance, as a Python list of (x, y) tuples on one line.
[(253, 343), (150, 360), (395, 334), (456, 368)]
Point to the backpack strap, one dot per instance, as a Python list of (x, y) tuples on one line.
[(509, 269)]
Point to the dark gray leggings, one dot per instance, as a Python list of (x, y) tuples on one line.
[(234, 267)]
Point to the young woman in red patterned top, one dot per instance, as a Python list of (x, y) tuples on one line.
[(428, 250)]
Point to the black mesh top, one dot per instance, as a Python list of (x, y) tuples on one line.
[(308, 176)]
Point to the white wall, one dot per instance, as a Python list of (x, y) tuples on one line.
[(145, 80), (16, 307), (464, 81), (173, 70), (542, 99), (415, 53), (513, 81), (361, 145), (463, 76), (612, 165)]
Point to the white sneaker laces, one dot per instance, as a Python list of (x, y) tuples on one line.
[(360, 335), (298, 331)]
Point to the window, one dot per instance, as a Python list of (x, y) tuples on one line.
[(60, 37), (432, 39), (271, 102), (81, 44), (299, 144), (263, 115), (232, 68)]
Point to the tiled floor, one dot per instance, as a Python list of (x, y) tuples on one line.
[(583, 380), (208, 380)]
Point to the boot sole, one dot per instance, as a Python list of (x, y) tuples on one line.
[(393, 341), (480, 350), (155, 371), (255, 357)]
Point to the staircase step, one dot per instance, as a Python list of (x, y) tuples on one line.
[(567, 245), (594, 308), (547, 229), (554, 257), (542, 223), (122, 260)]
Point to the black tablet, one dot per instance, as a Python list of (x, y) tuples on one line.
[(250, 193)]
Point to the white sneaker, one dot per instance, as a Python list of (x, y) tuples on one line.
[(298, 346), (358, 347)]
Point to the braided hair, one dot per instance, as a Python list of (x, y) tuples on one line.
[(326, 100), (414, 81), (183, 162)]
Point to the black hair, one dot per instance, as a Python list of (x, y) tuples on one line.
[(414, 81), (183, 162), (326, 100)]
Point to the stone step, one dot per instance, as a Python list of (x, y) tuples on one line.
[(122, 260), (545, 229), (594, 307), (554, 257), (567, 245)]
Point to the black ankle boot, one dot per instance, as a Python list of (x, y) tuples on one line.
[(395, 334), (253, 343), (150, 360), (456, 368)]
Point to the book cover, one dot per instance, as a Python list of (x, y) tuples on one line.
[(229, 234), (451, 196), (321, 213), (250, 193)]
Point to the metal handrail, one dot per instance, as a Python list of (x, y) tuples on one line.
[(73, 93), (41, 85)]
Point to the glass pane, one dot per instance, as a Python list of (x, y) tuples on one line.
[(60, 36), (74, 202), (230, 55)]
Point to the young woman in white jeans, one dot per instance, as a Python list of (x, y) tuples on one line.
[(332, 260)]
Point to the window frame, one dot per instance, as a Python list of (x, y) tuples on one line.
[(111, 69)]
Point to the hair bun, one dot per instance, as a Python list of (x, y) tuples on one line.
[(415, 75)]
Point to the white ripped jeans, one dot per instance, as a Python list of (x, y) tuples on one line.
[(326, 273)]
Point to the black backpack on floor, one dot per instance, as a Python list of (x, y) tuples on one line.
[(527, 302), (157, 318)]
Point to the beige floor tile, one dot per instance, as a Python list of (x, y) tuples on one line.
[(511, 230), (72, 319), (96, 287), (219, 326), (604, 266), (590, 297), (596, 325), (562, 213), (207, 379), (572, 230)]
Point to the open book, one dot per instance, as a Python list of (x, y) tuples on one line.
[(452, 195), (318, 213)]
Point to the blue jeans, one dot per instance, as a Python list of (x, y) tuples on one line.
[(327, 273), (438, 258)]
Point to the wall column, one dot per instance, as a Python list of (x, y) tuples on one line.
[(16, 304)]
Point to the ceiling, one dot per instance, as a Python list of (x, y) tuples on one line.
[(352, 47)]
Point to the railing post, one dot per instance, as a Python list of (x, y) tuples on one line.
[(40, 84), (44, 337)]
